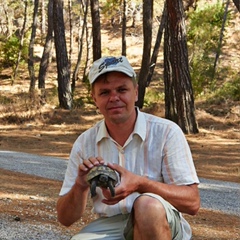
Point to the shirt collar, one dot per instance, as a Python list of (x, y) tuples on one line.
[(140, 125), (139, 129), (102, 131)]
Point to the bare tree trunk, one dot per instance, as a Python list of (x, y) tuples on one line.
[(178, 93), (43, 19), (157, 45), (147, 35), (237, 4), (8, 30), (187, 4), (71, 33), (89, 47), (31, 48), (76, 70), (170, 99), (22, 35), (220, 38), (96, 29), (64, 89), (124, 27), (47, 53)]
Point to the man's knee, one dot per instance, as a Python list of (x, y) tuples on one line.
[(149, 208), (150, 220)]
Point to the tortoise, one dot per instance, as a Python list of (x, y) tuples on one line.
[(102, 176)]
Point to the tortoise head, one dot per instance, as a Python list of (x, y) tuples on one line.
[(102, 176)]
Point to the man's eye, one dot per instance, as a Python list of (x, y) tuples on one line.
[(103, 93), (122, 90)]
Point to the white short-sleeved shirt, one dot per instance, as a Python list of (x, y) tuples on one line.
[(156, 149)]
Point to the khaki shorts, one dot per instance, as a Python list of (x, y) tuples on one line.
[(120, 227)]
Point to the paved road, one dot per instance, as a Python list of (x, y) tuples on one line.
[(215, 195)]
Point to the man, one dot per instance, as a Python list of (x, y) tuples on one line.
[(157, 175)]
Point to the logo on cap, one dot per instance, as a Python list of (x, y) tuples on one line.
[(109, 62)]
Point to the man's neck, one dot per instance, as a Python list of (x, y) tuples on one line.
[(120, 132)]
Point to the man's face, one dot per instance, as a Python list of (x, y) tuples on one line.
[(115, 95)]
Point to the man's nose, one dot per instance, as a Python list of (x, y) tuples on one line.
[(114, 96)]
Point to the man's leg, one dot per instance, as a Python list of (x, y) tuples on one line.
[(151, 216), (150, 221), (107, 228)]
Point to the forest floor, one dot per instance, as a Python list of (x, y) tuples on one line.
[(49, 131)]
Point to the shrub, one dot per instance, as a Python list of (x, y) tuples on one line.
[(203, 30), (230, 90), (10, 51)]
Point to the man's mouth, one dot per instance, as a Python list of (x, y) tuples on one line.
[(114, 107)]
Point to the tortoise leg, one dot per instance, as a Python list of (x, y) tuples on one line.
[(93, 188), (111, 187)]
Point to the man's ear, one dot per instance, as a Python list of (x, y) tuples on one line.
[(136, 89), (93, 97)]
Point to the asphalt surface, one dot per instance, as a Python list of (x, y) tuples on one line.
[(215, 195)]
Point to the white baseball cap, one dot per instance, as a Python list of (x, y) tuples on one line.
[(110, 64)]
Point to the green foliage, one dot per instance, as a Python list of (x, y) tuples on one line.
[(203, 42), (10, 49), (107, 5), (111, 7), (82, 101), (229, 90), (152, 96)]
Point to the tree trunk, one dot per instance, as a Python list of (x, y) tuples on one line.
[(157, 45), (31, 48), (22, 35), (124, 27), (88, 59), (147, 35), (64, 89), (96, 29), (170, 99), (237, 4), (178, 90), (81, 36), (220, 39), (9, 24), (43, 19), (71, 34), (47, 53)]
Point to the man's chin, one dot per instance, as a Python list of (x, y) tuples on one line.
[(117, 118), (115, 112)]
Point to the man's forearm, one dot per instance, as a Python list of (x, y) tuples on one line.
[(71, 206), (184, 198)]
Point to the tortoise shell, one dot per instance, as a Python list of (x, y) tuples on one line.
[(102, 176)]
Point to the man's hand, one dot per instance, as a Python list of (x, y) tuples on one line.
[(128, 184), (71, 206), (84, 168)]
